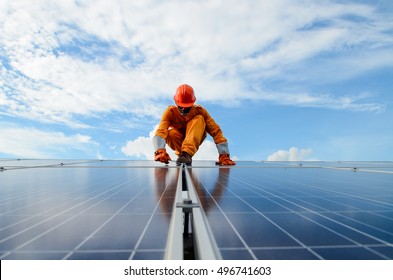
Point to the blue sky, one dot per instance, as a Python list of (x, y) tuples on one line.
[(286, 80)]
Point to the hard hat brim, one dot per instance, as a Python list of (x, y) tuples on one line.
[(185, 105)]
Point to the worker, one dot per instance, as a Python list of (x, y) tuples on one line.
[(184, 127)]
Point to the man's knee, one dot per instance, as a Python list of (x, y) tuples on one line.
[(175, 139), (199, 118), (174, 135), (198, 122)]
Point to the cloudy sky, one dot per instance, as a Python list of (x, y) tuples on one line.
[(285, 80)]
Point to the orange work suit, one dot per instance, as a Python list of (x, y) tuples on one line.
[(186, 133)]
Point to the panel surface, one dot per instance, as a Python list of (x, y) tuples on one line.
[(84, 210), (300, 210), (92, 209)]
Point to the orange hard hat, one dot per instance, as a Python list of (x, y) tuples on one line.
[(184, 96)]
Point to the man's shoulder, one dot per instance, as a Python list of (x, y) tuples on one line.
[(171, 108), (169, 112), (199, 108)]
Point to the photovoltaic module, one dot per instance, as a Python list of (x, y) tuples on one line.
[(112, 209)]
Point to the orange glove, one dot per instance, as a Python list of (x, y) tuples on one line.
[(162, 156), (224, 159)]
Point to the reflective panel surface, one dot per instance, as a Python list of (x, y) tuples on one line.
[(84, 210), (91, 209), (300, 210)]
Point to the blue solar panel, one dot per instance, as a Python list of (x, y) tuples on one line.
[(92, 209), (77, 211), (298, 212)]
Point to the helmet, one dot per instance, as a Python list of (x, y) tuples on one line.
[(184, 96)]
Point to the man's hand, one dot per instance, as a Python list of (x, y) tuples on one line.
[(162, 156), (224, 159)]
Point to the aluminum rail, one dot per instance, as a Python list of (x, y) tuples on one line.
[(174, 248), (205, 244), (187, 213)]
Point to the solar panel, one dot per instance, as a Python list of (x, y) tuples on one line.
[(77, 211), (113, 209), (298, 212)]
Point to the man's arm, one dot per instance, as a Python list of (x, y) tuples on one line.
[(159, 139), (218, 136)]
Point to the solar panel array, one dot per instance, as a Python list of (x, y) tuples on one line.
[(70, 209)]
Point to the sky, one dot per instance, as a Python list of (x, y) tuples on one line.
[(285, 80)]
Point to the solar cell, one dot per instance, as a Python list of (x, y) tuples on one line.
[(112, 209)]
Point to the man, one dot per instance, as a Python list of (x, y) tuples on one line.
[(184, 127)]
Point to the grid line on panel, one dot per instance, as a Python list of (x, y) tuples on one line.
[(305, 208), (338, 192), (326, 168), (238, 234), (302, 245), (344, 216), (68, 209), (341, 246), (339, 212), (101, 226), (139, 241), (341, 193), (47, 210), (256, 211), (62, 187), (232, 226), (360, 169), (368, 225), (353, 211), (319, 214), (22, 194), (379, 214), (324, 209), (75, 189), (51, 165), (62, 223), (328, 197)]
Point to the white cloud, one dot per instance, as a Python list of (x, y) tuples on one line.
[(348, 102), (293, 154), (64, 59), (142, 148), (207, 151), (34, 143)]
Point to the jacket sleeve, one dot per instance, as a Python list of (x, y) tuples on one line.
[(212, 127), (159, 139), (215, 131), (165, 123)]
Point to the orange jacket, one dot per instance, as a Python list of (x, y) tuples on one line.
[(173, 119)]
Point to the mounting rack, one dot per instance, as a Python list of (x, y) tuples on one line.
[(190, 236)]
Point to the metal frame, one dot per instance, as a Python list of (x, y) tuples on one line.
[(187, 207)]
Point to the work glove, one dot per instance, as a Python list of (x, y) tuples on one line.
[(224, 159), (162, 156)]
